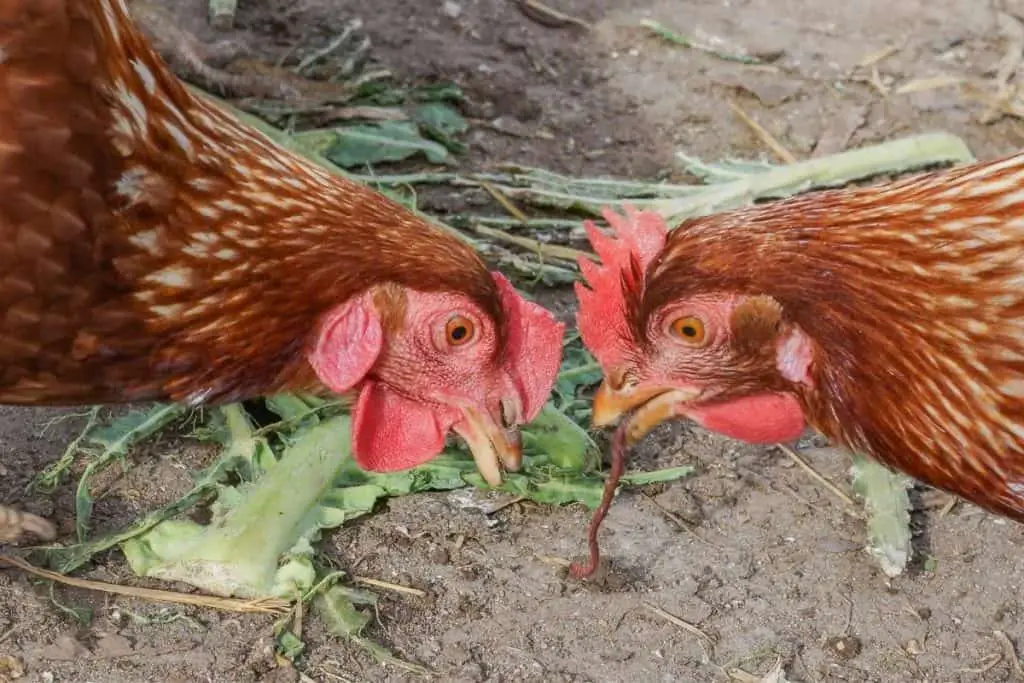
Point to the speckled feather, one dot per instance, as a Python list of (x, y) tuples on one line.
[(152, 247), (913, 293)]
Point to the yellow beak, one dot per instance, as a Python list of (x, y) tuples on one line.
[(652, 405), (493, 447)]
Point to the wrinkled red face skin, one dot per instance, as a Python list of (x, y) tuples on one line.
[(729, 362), (712, 370), (434, 364)]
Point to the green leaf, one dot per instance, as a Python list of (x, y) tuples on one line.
[(579, 372), (337, 607), (289, 645), (82, 614), (314, 143), (552, 490), (657, 476), (127, 430), (113, 441), (440, 122), (254, 525), (566, 444), (378, 93), (375, 143), (438, 92), (341, 615)]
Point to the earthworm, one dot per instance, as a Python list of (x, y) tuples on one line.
[(581, 571)]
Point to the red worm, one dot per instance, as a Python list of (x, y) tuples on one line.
[(610, 484)]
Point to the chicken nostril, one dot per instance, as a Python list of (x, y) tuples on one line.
[(617, 378), (508, 415)]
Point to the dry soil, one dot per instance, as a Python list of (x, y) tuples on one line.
[(768, 564)]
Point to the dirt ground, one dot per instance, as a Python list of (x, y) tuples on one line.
[(768, 565)]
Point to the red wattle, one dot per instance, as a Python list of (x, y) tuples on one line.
[(392, 433), (764, 418)]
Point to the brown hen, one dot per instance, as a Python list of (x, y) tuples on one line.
[(889, 318), (154, 248)]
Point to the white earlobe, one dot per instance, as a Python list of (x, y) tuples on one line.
[(794, 355)]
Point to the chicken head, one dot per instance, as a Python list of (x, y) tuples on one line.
[(427, 363), (724, 360)]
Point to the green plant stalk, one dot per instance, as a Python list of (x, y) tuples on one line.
[(238, 555), (897, 156), (750, 181), (888, 507), (539, 179), (677, 202)]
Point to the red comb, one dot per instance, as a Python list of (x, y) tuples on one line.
[(637, 238), (533, 350)]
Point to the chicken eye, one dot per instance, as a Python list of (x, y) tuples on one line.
[(690, 329), (459, 330)]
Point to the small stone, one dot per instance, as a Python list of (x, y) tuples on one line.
[(843, 647), (452, 10)]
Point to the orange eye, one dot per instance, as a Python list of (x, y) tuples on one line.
[(689, 329), (459, 330)]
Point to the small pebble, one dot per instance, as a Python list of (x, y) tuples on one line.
[(843, 647), (452, 10)]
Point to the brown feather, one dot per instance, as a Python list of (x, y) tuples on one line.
[(755, 323), (152, 247), (913, 293)]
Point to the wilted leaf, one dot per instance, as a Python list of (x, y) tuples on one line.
[(440, 122), (375, 143), (657, 476), (289, 645), (113, 441), (437, 92), (254, 525), (566, 444), (341, 615)]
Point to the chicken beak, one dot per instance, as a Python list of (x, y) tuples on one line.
[(493, 446), (610, 403), (650, 406)]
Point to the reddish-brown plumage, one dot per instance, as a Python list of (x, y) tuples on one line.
[(154, 248), (908, 299), (151, 247)]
